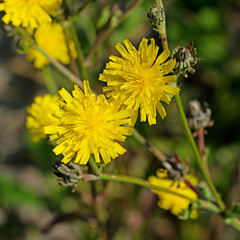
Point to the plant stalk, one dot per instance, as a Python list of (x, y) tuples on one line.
[(187, 130), (162, 27), (143, 183), (197, 154), (72, 77), (80, 56), (49, 81)]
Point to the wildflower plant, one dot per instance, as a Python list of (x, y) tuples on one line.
[(89, 130), (84, 124), (139, 79), (29, 14)]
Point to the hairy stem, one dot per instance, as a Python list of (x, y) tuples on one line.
[(187, 130), (162, 27), (197, 154), (143, 183), (129, 179)]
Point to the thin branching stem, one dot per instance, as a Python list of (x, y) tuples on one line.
[(187, 130), (143, 183), (81, 8), (80, 55), (71, 76), (197, 154), (107, 30), (48, 80), (151, 148), (162, 27)]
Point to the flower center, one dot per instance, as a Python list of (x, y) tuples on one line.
[(93, 123), (145, 79)]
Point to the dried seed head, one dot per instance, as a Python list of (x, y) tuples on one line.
[(199, 116)]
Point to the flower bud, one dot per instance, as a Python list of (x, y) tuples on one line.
[(156, 16), (185, 59)]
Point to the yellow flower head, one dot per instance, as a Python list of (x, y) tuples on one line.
[(138, 79), (84, 124), (29, 13), (38, 118), (168, 201), (51, 38)]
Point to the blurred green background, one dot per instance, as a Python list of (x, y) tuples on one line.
[(34, 206)]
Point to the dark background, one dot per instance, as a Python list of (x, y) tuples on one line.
[(34, 206)]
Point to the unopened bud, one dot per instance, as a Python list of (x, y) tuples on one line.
[(185, 59), (68, 174), (156, 16)]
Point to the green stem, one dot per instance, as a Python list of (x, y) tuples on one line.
[(80, 56), (73, 78), (61, 68), (163, 36), (94, 166), (98, 206), (26, 36), (73, 66), (49, 81), (139, 182), (162, 27), (197, 154), (83, 7), (143, 183), (152, 149), (129, 179)]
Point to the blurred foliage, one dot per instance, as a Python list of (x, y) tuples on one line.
[(34, 206)]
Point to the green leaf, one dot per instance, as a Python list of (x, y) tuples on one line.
[(205, 190), (234, 222), (104, 17)]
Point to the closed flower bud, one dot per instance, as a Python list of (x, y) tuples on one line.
[(185, 59)]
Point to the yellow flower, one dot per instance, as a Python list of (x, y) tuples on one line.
[(51, 38), (38, 118), (168, 201), (84, 124), (138, 79), (29, 13)]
